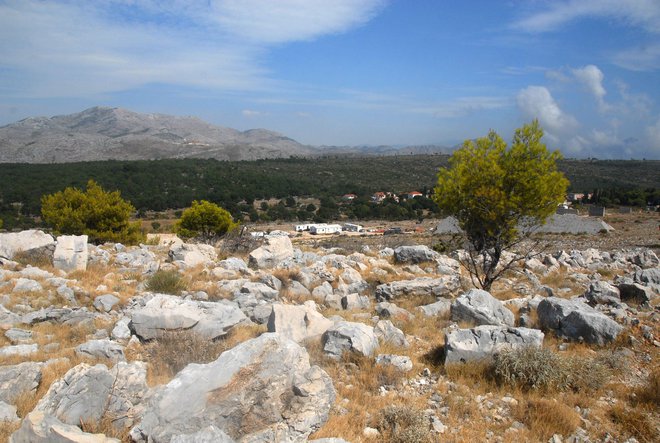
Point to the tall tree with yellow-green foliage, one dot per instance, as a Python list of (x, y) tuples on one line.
[(103, 216), (500, 196)]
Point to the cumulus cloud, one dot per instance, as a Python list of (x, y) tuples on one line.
[(637, 13), (84, 48), (592, 78), (537, 102)]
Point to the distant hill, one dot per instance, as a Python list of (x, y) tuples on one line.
[(102, 133)]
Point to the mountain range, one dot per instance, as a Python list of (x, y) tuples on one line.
[(103, 133)]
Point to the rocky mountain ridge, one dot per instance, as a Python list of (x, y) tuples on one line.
[(103, 133)]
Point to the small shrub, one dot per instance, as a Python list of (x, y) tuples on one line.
[(403, 424), (39, 257), (166, 282), (533, 368), (649, 392)]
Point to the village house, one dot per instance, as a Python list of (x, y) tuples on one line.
[(413, 194), (324, 228), (351, 227), (349, 197)]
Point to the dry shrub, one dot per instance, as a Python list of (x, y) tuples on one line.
[(649, 393), (634, 422), (173, 351), (531, 368), (544, 418), (166, 282), (402, 424), (39, 257)]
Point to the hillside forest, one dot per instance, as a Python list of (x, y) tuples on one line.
[(294, 189)]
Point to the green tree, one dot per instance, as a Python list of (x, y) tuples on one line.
[(102, 216), (500, 197), (205, 221)]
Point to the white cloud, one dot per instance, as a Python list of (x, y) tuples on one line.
[(249, 113), (537, 102), (268, 21), (645, 58), (592, 78), (637, 13), (82, 49)]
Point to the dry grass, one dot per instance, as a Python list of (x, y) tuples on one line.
[(649, 393), (633, 422), (166, 282), (402, 424), (562, 283), (544, 418)]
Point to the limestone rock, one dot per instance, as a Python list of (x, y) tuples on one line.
[(481, 308), (86, 393), (275, 250), (71, 253), (39, 427), (298, 323), (13, 242), (101, 349), (210, 434), (169, 313), (105, 302), (390, 310), (601, 292), (576, 320), (349, 336), (20, 379), (436, 287), (482, 342), (388, 333), (261, 390), (355, 301), (400, 362), (414, 254), (190, 255), (441, 308)]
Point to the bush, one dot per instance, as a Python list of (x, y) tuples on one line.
[(533, 368), (204, 220), (166, 282), (173, 351), (403, 424), (102, 216)]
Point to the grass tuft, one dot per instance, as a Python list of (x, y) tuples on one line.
[(166, 282)]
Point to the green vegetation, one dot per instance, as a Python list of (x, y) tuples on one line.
[(171, 184), (103, 216), (494, 191), (204, 220), (166, 282)]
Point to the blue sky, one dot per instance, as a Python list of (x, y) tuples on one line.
[(349, 72)]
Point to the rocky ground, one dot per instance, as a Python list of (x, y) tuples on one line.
[(349, 339)]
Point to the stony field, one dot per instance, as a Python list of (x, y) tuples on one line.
[(338, 339)]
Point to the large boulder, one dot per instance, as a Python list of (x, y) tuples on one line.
[(276, 249), (386, 332), (261, 390), (39, 427), (635, 292), (18, 380), (346, 336), (600, 292), (483, 342), (170, 313), (298, 323), (479, 307), (189, 255), (101, 349), (71, 253), (13, 242), (436, 287), (441, 308), (576, 320), (87, 393), (414, 254)]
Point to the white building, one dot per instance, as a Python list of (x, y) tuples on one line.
[(323, 228), (351, 227), (303, 227)]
